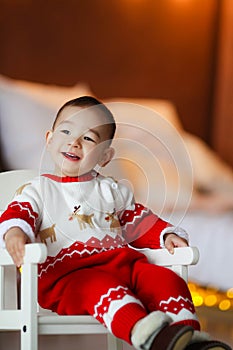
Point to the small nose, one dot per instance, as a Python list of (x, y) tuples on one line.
[(75, 143)]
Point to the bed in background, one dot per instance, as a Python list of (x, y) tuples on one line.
[(173, 172)]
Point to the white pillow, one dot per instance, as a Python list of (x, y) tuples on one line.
[(23, 123), (163, 107), (50, 95), (27, 111)]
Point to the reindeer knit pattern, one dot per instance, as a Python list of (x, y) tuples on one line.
[(88, 224)]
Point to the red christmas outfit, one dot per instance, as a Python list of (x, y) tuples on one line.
[(89, 224)]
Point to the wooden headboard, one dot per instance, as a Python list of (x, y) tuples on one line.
[(122, 48)]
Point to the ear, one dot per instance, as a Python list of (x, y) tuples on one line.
[(48, 136), (107, 156)]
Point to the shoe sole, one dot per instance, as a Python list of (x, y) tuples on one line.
[(214, 348), (182, 341), (206, 346)]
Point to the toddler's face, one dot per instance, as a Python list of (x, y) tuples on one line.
[(79, 141)]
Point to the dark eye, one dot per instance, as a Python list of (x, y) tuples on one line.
[(87, 138), (67, 132)]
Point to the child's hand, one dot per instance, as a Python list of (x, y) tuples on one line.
[(15, 240), (172, 241)]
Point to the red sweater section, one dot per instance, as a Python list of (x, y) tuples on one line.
[(20, 210), (142, 228)]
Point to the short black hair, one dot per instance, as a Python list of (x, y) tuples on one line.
[(89, 101)]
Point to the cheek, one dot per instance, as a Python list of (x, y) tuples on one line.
[(55, 142), (50, 145), (93, 156), (92, 153)]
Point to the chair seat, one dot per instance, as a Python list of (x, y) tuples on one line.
[(69, 325), (52, 323), (59, 319)]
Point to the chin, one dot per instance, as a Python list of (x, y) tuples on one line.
[(71, 173), (63, 173)]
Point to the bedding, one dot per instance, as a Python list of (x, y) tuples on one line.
[(173, 172), (212, 234)]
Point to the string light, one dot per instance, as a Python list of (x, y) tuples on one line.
[(211, 297)]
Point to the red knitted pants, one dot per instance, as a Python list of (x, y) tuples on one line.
[(119, 297)]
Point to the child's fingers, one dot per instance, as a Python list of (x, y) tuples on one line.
[(179, 242), (170, 246), (173, 241), (17, 253)]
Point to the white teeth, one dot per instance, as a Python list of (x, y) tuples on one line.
[(67, 154)]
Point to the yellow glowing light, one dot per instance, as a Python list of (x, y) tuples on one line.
[(230, 293), (211, 297), (224, 305), (197, 300), (210, 300)]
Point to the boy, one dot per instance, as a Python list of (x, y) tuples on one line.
[(90, 224)]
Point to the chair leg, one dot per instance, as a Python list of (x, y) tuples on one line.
[(29, 339), (29, 331), (114, 343)]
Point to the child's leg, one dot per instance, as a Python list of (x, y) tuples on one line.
[(161, 289), (102, 295)]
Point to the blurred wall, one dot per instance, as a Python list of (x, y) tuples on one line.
[(223, 101), (122, 48)]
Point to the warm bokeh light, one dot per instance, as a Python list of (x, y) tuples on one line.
[(224, 305), (197, 300), (210, 300), (211, 297), (230, 293)]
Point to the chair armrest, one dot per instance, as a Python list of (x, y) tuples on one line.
[(178, 262), (182, 256), (35, 253)]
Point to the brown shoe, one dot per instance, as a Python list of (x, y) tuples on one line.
[(208, 345), (172, 337)]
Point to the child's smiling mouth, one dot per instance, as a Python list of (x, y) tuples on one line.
[(71, 156)]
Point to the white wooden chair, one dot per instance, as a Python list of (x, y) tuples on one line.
[(27, 317)]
